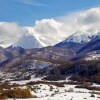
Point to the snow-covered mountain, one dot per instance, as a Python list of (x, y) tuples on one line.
[(43, 61), (31, 38), (79, 39), (83, 37), (28, 41)]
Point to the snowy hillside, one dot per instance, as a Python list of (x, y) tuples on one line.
[(93, 56), (83, 37)]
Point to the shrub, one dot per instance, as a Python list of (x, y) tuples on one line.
[(71, 90), (51, 88), (5, 85), (16, 93), (88, 87), (92, 95)]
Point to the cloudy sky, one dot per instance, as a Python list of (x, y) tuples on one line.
[(50, 21)]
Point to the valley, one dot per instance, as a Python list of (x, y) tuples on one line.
[(69, 70)]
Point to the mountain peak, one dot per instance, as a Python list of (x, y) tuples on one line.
[(28, 41), (82, 37)]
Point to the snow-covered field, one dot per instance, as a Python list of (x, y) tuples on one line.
[(68, 92)]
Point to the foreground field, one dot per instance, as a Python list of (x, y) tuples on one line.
[(46, 90)]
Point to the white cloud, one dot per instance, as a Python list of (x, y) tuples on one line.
[(83, 20), (52, 31), (9, 33), (90, 18), (49, 31)]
